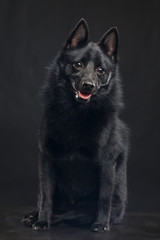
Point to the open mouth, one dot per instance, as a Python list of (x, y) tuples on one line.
[(83, 96)]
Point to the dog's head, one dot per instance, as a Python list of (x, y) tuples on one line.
[(89, 66)]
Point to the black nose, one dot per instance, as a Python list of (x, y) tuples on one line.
[(88, 85)]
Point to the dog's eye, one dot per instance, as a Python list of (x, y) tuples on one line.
[(78, 65), (100, 71)]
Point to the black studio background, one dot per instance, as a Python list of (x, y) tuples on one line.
[(31, 33)]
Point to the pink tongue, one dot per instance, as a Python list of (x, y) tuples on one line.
[(84, 96)]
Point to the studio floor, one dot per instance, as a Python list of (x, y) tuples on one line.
[(135, 226)]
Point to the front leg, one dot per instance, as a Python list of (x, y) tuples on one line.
[(106, 187), (46, 190)]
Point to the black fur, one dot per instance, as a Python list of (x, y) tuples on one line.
[(83, 143)]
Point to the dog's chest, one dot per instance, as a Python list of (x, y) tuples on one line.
[(78, 130), (77, 175)]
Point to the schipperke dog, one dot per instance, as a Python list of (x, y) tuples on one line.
[(83, 144)]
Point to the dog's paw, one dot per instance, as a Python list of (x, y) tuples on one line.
[(30, 219), (40, 226), (100, 227)]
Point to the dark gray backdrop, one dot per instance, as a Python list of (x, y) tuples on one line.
[(31, 34)]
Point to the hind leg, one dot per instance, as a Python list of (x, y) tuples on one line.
[(73, 217), (30, 218)]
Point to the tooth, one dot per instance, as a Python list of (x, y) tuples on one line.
[(76, 94)]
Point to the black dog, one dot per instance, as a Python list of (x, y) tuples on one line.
[(83, 143)]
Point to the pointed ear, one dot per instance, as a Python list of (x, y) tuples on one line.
[(79, 36), (109, 43)]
